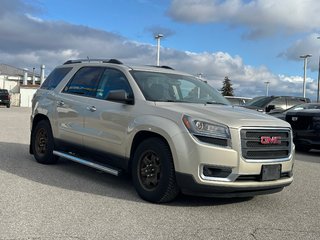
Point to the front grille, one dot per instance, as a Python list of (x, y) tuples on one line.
[(299, 122), (258, 177), (259, 144)]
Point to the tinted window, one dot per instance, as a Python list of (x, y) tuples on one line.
[(259, 102), (85, 81), (279, 103), (112, 79), (294, 101), (3, 92), (55, 78)]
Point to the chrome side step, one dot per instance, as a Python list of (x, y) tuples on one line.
[(88, 163)]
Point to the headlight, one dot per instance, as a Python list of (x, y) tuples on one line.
[(209, 132)]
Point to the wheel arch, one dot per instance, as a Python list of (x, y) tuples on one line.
[(141, 136), (37, 118)]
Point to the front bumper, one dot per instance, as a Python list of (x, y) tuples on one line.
[(189, 186), (231, 173)]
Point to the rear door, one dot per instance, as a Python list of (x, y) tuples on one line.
[(72, 103)]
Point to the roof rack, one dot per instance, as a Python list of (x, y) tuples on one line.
[(112, 60), (166, 67)]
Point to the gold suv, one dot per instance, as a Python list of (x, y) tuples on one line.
[(169, 130)]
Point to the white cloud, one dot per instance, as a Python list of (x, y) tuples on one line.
[(308, 45), (27, 42), (34, 18), (260, 17)]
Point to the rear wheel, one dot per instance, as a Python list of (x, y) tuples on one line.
[(153, 171), (42, 143), (8, 105)]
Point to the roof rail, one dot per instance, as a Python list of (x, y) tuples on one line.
[(112, 60), (166, 67)]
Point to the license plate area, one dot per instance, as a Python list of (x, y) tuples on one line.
[(270, 172)]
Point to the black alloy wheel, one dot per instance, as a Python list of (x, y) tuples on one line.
[(42, 143), (149, 170), (153, 172)]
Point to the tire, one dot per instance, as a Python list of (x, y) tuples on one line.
[(42, 143), (8, 106), (153, 172)]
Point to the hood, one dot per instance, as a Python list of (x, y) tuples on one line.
[(232, 116), (305, 112), (259, 109)]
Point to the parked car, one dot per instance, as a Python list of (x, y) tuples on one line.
[(238, 101), (272, 104), (4, 98), (282, 115), (172, 132), (305, 123)]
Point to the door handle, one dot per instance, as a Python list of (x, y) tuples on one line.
[(60, 103), (92, 108)]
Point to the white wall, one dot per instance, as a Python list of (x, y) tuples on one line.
[(11, 86), (26, 95)]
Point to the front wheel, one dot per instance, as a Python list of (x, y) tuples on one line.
[(42, 143), (153, 171)]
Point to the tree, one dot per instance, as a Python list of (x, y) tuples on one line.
[(227, 89)]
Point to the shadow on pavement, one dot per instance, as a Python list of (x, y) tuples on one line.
[(311, 156), (15, 159)]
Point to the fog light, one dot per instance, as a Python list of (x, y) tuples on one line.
[(216, 172)]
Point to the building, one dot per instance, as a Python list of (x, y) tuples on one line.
[(21, 83)]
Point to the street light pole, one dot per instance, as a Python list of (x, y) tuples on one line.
[(305, 61), (318, 81), (267, 88), (158, 36), (318, 78)]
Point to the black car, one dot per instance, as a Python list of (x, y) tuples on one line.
[(273, 104), (4, 97), (305, 123), (282, 115)]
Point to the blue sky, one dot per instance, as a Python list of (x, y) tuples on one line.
[(251, 41)]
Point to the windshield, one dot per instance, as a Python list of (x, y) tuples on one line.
[(259, 102), (166, 87)]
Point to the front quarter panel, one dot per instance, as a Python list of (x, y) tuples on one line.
[(167, 128)]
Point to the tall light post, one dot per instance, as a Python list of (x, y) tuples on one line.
[(267, 88), (318, 78), (158, 36), (305, 60)]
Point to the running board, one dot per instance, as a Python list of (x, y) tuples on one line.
[(96, 165)]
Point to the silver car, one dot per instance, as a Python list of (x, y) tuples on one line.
[(169, 130)]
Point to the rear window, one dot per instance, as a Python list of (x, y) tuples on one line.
[(55, 78), (3, 92)]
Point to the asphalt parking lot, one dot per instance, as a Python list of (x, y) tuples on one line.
[(70, 201)]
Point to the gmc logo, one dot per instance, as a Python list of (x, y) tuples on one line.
[(270, 140)]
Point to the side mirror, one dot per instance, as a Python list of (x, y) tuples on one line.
[(270, 107), (119, 96)]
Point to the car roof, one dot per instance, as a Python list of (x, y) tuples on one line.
[(115, 62)]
